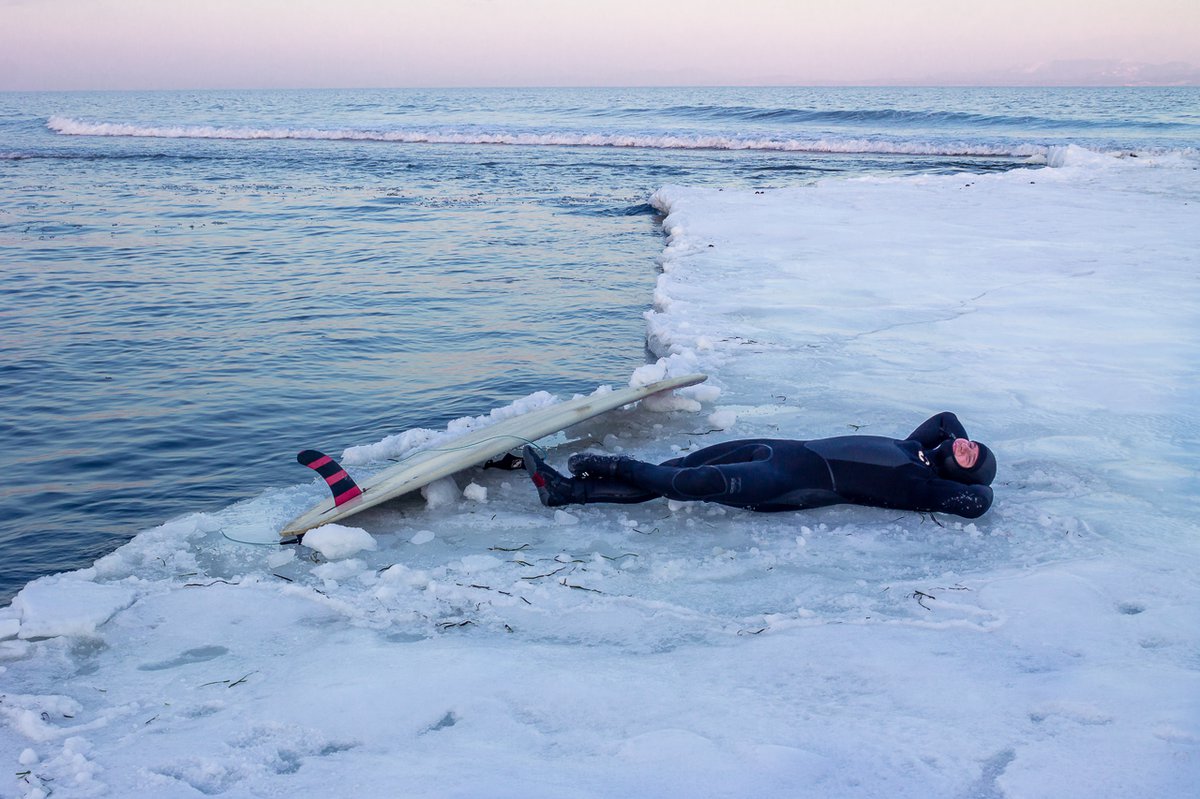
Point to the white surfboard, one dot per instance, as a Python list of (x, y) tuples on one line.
[(464, 452)]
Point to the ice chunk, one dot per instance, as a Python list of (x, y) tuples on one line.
[(398, 446), (339, 570), (62, 605), (480, 563), (722, 420), (336, 542), (441, 493), (1074, 155), (705, 392), (284, 556)]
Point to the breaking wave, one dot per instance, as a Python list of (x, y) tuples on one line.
[(74, 127), (887, 116)]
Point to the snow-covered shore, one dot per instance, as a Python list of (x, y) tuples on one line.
[(477, 644)]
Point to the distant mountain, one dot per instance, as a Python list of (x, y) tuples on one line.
[(1105, 72), (1080, 72)]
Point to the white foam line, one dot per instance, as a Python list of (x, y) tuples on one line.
[(73, 127)]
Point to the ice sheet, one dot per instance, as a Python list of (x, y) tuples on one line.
[(503, 649)]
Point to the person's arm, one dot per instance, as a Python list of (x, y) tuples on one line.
[(936, 429), (948, 496)]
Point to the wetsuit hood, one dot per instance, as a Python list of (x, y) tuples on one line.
[(982, 473)]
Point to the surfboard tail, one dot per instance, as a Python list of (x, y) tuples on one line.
[(341, 484)]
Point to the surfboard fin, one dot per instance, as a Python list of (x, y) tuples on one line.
[(340, 484)]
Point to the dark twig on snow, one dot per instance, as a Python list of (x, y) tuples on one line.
[(547, 574), (452, 624), (564, 582), (921, 596), (229, 683)]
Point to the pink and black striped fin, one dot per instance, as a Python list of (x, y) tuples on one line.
[(341, 484)]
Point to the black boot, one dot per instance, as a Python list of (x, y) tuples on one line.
[(553, 489), (507, 461)]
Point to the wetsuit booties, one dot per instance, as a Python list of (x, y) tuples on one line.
[(555, 490)]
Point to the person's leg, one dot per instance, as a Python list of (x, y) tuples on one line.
[(743, 476), (591, 464), (727, 452), (763, 473)]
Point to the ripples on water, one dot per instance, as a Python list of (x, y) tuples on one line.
[(177, 330), (181, 315)]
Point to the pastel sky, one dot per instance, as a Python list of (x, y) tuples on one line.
[(146, 44)]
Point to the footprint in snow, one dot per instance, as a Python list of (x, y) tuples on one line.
[(198, 655)]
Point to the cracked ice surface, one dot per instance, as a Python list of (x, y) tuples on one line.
[(456, 646)]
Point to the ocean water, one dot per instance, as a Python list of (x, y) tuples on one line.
[(195, 285)]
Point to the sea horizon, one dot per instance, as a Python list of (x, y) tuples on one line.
[(619, 86)]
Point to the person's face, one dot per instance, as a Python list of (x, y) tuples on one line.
[(966, 452)]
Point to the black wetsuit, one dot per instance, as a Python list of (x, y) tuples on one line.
[(781, 475)]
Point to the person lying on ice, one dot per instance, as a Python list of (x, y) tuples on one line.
[(937, 468)]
